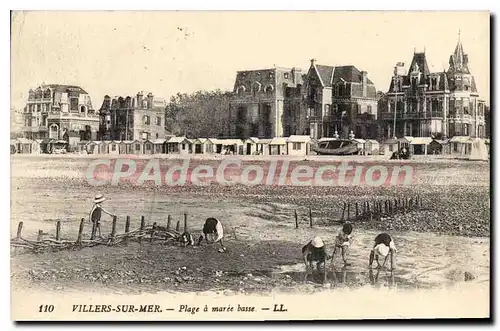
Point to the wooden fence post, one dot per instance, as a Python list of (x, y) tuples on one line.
[(143, 224), (296, 219), (113, 228), (169, 219), (80, 232), (127, 228), (343, 211), (310, 218), (177, 226), (19, 230), (39, 238), (185, 221), (58, 230), (152, 232)]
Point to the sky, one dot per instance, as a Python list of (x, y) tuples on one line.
[(122, 53)]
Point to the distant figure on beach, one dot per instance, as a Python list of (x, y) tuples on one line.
[(384, 245), (342, 242), (96, 212), (314, 251), (213, 228)]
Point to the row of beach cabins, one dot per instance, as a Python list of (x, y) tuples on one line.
[(295, 145)]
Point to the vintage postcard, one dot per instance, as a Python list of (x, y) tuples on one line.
[(249, 166)]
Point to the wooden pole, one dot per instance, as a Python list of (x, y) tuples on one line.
[(296, 219), (143, 224), (177, 226), (127, 228), (58, 230), (343, 211), (152, 232), (169, 219), (19, 230), (310, 218), (348, 211), (80, 232), (185, 221), (357, 210)]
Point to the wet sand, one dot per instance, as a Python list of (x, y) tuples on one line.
[(260, 230)]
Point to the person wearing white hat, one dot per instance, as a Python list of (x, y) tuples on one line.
[(96, 212), (383, 247), (314, 251)]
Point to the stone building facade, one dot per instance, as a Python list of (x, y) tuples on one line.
[(267, 103), (132, 118), (440, 104), (53, 110), (339, 99)]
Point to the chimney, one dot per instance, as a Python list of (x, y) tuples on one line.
[(139, 99), (293, 75), (313, 61), (150, 100), (364, 83)]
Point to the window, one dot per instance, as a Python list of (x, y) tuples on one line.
[(145, 135), (73, 102), (183, 146), (146, 120), (466, 129), (455, 147), (148, 147), (158, 120), (286, 75), (137, 147), (113, 147), (296, 146), (369, 109), (157, 136), (391, 148), (38, 108)]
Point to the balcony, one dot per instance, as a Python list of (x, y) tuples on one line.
[(35, 129), (411, 115)]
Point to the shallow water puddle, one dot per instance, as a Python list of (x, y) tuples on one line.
[(344, 276)]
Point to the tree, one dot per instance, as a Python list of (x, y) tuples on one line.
[(200, 114)]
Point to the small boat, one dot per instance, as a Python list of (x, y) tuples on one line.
[(337, 147)]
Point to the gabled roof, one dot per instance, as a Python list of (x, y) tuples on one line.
[(299, 139), (278, 141), (390, 141), (226, 142), (127, 141), (177, 140), (24, 140), (461, 139), (253, 140), (359, 141), (325, 73), (159, 141), (372, 141), (65, 88), (421, 141), (265, 141), (350, 74), (441, 141), (200, 140)]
